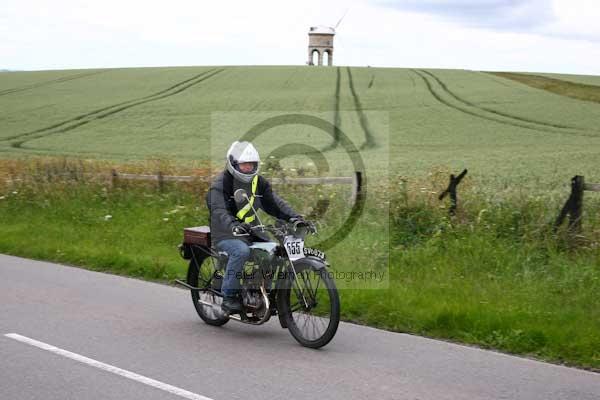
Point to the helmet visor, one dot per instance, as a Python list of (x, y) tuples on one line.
[(247, 168)]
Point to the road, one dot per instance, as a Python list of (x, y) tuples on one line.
[(85, 335)]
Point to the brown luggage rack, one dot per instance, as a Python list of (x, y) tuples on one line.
[(195, 236)]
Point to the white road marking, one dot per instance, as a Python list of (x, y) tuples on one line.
[(106, 367)]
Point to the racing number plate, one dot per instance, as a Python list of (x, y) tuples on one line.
[(294, 247)]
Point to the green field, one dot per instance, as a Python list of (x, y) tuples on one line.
[(496, 275), (503, 131)]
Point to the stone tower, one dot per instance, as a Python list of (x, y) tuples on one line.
[(320, 40)]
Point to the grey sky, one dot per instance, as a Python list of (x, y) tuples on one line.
[(536, 35), (512, 15)]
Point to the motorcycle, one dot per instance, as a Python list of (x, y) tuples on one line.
[(282, 277)]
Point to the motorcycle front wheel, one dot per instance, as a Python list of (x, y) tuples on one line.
[(311, 305)]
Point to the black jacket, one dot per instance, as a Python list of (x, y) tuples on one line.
[(223, 207)]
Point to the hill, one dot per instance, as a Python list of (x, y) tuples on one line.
[(501, 129)]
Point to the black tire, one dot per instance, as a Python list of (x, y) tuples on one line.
[(201, 276), (324, 316)]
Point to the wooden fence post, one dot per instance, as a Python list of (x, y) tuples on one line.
[(575, 217), (357, 186), (114, 178), (574, 206), (454, 181), (161, 181)]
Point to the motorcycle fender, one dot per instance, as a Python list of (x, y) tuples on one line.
[(309, 262)]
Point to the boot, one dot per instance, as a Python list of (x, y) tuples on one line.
[(231, 304)]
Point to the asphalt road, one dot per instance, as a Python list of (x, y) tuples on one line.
[(152, 331)]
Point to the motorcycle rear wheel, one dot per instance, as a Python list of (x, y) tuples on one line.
[(202, 276)]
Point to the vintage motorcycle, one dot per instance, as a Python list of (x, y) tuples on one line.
[(281, 277)]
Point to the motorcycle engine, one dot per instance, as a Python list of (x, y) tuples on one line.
[(252, 299)]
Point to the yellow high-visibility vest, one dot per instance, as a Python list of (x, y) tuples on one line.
[(246, 209)]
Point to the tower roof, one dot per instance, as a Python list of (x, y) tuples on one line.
[(322, 30)]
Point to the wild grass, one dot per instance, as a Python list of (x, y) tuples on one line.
[(495, 275), (498, 279)]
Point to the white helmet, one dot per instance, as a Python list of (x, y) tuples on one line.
[(242, 152)]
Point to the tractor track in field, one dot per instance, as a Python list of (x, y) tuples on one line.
[(371, 81), (50, 82), (493, 111), (100, 110), (337, 121), (415, 91), (364, 122), (104, 112), (470, 108)]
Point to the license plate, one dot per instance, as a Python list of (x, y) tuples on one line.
[(294, 248), (315, 253)]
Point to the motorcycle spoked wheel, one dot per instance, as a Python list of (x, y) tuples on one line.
[(202, 276), (315, 324)]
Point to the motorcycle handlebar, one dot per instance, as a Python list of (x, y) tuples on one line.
[(279, 230)]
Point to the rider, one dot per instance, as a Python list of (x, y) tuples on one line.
[(228, 218)]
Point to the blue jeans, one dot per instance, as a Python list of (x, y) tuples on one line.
[(238, 252)]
